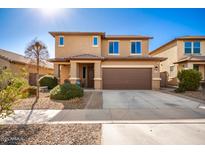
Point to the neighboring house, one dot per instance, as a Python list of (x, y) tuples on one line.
[(16, 62), (101, 61), (186, 52)]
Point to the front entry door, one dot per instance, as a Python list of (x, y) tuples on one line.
[(90, 76)]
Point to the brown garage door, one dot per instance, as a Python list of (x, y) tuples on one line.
[(127, 78)]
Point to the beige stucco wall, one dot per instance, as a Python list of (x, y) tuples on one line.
[(64, 73), (170, 52), (75, 45), (56, 70), (80, 44), (124, 47), (128, 62)]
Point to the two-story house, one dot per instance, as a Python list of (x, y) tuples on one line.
[(100, 61), (186, 52)]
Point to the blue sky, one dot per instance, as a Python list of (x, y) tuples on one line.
[(19, 26)]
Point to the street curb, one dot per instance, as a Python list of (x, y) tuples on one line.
[(167, 121)]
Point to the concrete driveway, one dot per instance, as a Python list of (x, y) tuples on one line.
[(150, 105), (144, 99)]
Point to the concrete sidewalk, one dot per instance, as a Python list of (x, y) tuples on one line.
[(103, 115), (116, 134)]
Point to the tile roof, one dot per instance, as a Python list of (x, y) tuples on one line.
[(77, 57), (127, 37), (17, 58), (191, 37), (94, 57), (102, 34), (146, 58), (76, 33), (86, 56), (191, 58)]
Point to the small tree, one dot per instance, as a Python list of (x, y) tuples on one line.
[(37, 52), (189, 80)]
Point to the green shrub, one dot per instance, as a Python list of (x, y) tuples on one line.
[(66, 91), (49, 81), (29, 91), (11, 85), (189, 80)]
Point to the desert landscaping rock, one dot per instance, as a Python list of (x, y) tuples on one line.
[(90, 100), (74, 134)]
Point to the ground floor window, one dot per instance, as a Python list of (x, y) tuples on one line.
[(196, 67), (171, 68)]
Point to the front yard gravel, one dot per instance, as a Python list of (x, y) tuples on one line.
[(51, 134), (90, 100)]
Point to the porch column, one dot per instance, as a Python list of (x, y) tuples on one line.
[(202, 70), (73, 72), (64, 73), (156, 76), (97, 75), (57, 71)]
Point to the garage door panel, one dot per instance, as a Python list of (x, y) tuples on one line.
[(127, 78)]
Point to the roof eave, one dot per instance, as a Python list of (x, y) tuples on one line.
[(76, 33)]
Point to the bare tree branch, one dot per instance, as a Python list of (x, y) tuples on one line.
[(37, 52)]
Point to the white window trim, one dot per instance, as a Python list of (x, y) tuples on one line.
[(192, 48), (59, 41), (114, 54), (135, 54), (93, 41)]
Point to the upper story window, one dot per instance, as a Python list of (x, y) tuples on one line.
[(136, 48), (196, 47), (113, 47), (188, 47), (61, 41), (95, 41), (192, 47)]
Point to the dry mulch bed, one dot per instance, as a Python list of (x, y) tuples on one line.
[(195, 94), (192, 94), (90, 100), (73, 134)]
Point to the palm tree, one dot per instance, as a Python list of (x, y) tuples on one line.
[(37, 52)]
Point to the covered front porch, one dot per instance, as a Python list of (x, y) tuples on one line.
[(85, 73), (193, 62), (199, 66)]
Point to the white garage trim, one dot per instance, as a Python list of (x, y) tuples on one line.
[(97, 78), (127, 66), (74, 78), (156, 79)]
